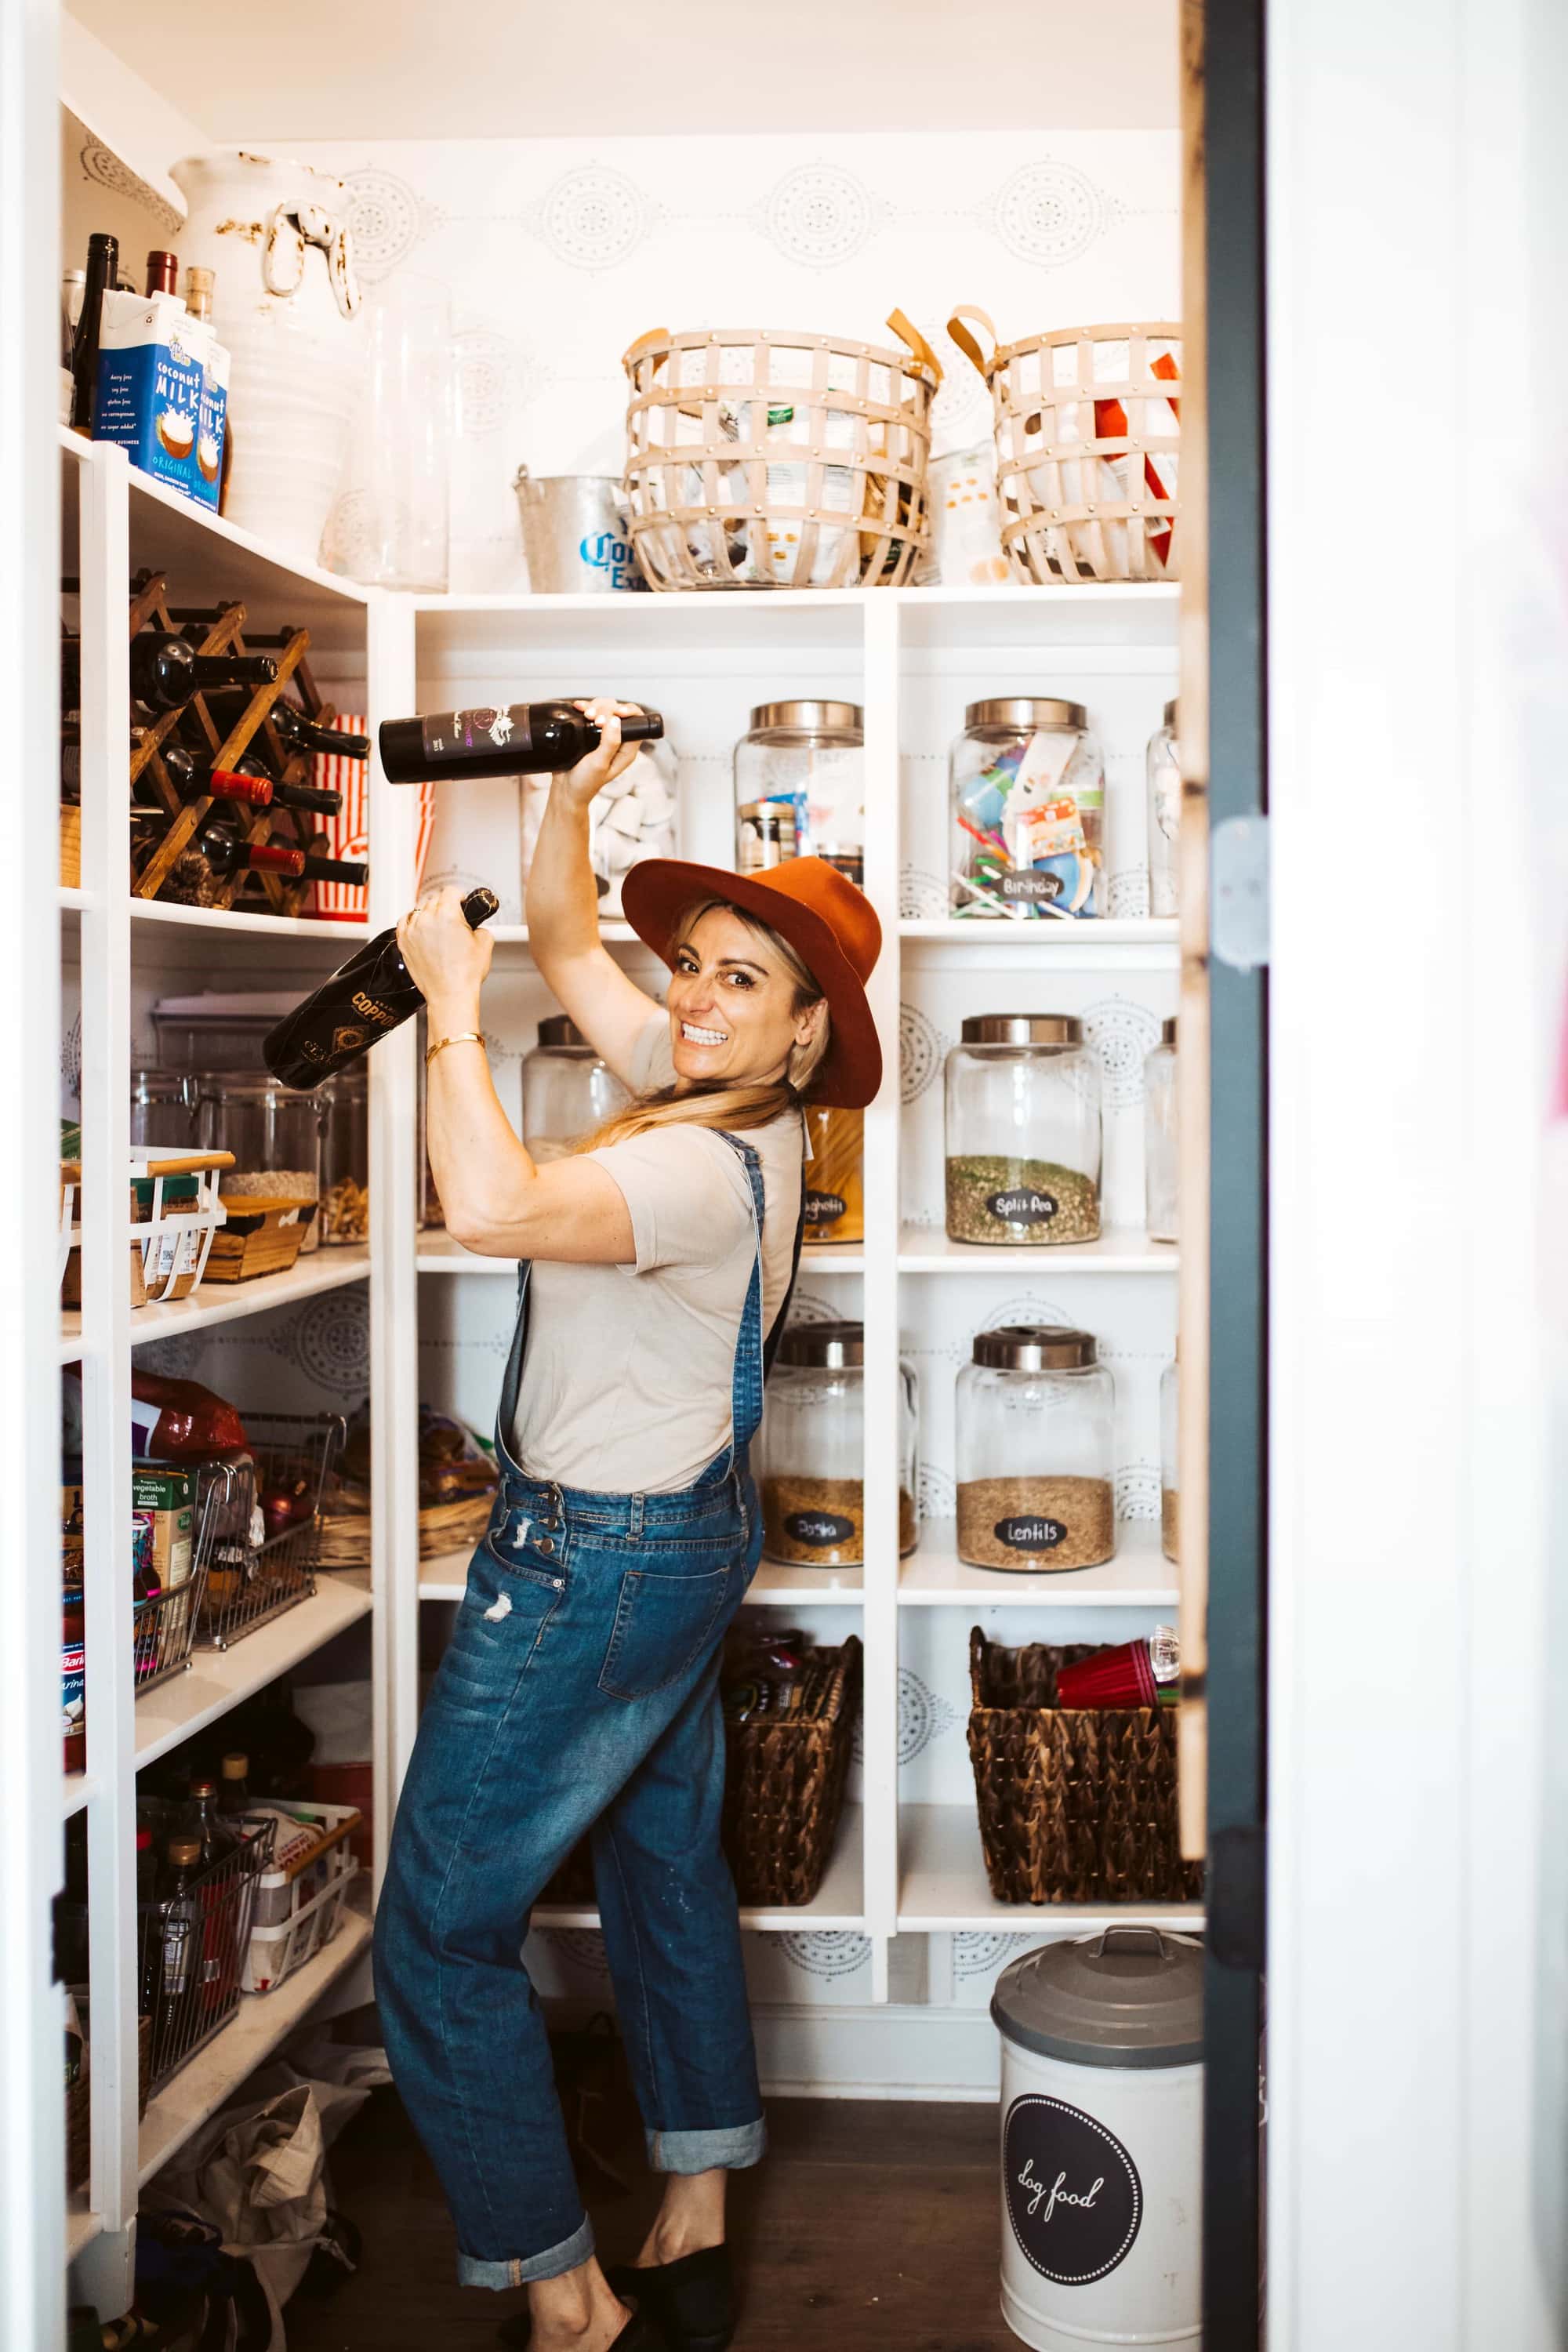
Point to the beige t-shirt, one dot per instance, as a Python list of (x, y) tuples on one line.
[(627, 1374)]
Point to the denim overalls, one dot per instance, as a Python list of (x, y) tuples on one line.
[(580, 1688)]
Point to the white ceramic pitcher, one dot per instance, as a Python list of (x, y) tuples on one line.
[(285, 302)]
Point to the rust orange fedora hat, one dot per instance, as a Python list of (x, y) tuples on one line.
[(830, 924)]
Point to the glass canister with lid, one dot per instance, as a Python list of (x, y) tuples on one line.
[(1164, 815), (1026, 779), (1036, 1413), (164, 1109), (1161, 1160), (275, 1134), (1023, 1130), (809, 756), (1170, 1459), (812, 1489), (568, 1090), (345, 1158)]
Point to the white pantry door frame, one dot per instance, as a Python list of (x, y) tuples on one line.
[(1418, 511)]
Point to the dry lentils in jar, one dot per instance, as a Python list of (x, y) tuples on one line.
[(1160, 1154), (1023, 1131), (568, 1090), (813, 1443), (1028, 785), (1036, 1413)]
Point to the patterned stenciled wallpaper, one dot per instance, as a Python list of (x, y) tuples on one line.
[(557, 253)]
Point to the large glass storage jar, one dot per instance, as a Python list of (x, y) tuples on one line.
[(1170, 1461), (1164, 815), (1035, 1425), (274, 1135), (1161, 1172), (835, 1194), (567, 1090), (164, 1109), (813, 1507), (345, 1158), (810, 756), (1023, 1130), (1027, 784)]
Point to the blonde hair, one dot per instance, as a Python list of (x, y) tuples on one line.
[(713, 1104)]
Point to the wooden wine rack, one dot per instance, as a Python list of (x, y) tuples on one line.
[(224, 635)]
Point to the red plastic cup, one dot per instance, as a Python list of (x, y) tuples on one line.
[(1121, 1677)]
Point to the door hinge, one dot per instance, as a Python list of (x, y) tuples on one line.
[(1238, 892), (1236, 1894)]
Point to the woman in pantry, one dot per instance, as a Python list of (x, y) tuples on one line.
[(580, 1690)]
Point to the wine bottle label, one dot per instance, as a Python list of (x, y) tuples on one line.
[(448, 733)]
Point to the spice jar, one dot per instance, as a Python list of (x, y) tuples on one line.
[(835, 1194), (1161, 1172), (1023, 1130), (1170, 1473), (345, 1159), (1164, 815), (1036, 1418), (813, 1507), (1028, 785), (274, 1133), (163, 1110), (811, 757), (568, 1090)]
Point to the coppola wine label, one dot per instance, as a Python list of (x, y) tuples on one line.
[(365, 999), (514, 740)]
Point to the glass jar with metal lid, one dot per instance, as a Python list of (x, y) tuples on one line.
[(809, 757), (568, 1090), (1026, 779), (1164, 776), (1161, 1172), (1023, 1130), (345, 1157), (1035, 1412), (275, 1134), (164, 1109), (813, 1512), (1170, 1459)]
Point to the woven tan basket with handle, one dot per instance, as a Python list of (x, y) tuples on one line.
[(758, 457), (1087, 423)]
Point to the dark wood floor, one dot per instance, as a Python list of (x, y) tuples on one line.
[(871, 2228)]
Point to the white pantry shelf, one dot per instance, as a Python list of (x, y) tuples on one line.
[(944, 1889), (77, 1789), (262, 2021), (226, 1302), (1138, 1576), (926, 1249), (216, 1680), (840, 1904), (445, 1577), (207, 920), (82, 2225), (440, 1254)]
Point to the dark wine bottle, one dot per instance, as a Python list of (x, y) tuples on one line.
[(102, 269), (163, 271), (364, 1001), (262, 791), (165, 671), (226, 854), (294, 728), (526, 738)]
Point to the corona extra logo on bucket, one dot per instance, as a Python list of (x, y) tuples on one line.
[(603, 552)]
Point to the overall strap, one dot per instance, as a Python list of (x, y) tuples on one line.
[(753, 1355), (512, 1385)]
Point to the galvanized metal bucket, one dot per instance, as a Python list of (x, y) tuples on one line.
[(574, 534)]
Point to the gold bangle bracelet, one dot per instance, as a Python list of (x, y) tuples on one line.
[(466, 1037)]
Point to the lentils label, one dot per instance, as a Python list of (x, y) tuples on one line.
[(818, 1527), (1026, 1207), (1030, 1534)]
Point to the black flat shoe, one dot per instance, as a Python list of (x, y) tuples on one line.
[(692, 2300), (638, 2334)]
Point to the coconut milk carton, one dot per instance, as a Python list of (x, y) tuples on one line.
[(152, 368), (212, 420)]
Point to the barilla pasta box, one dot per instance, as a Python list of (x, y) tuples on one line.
[(212, 422), (151, 367)]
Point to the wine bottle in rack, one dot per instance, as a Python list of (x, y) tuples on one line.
[(523, 738), (165, 671), (261, 790), (365, 999)]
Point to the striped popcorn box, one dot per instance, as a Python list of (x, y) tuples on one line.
[(347, 833)]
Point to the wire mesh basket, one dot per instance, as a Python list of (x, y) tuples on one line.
[(164, 1631), (193, 1948), (259, 1514)]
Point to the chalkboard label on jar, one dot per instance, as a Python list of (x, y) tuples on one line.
[(1030, 1534), (823, 1208), (1074, 2198), (1024, 1207), (818, 1527), (1030, 889)]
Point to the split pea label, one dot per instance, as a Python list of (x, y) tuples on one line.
[(1024, 1207), (1074, 2198)]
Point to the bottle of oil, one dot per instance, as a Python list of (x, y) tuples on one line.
[(364, 1001)]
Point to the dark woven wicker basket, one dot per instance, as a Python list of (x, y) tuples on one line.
[(1077, 1804), (783, 1797)]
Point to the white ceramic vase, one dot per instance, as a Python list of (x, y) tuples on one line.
[(285, 302)]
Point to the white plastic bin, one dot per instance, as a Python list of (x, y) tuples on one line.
[(1102, 2141), (299, 1899)]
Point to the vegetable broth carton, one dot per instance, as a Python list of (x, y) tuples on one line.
[(152, 370)]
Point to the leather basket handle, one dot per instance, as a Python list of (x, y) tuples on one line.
[(956, 327), (910, 334)]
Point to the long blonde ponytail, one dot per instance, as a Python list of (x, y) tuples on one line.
[(713, 1104)]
